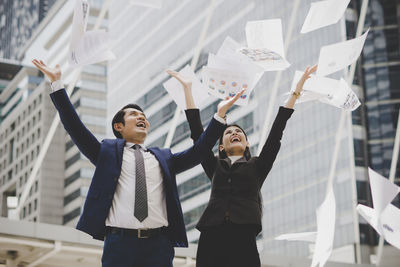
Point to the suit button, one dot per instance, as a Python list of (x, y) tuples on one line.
[(229, 180), (115, 179)]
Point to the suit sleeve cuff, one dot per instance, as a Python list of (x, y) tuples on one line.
[(57, 85), (219, 119), (285, 112)]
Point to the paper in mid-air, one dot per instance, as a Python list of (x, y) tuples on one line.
[(382, 190), (87, 47), (223, 83), (387, 224), (148, 3), (335, 57), (175, 89), (384, 217), (327, 90), (228, 72), (326, 217), (234, 65), (324, 13), (265, 44), (323, 238)]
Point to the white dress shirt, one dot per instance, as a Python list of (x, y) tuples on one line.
[(122, 209), (234, 158)]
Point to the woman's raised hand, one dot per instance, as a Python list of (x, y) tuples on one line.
[(305, 77), (185, 81), (54, 74), (226, 104)]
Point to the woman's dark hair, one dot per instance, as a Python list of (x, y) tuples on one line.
[(222, 154), (119, 117), (247, 155)]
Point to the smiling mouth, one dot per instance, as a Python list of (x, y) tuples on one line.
[(141, 125), (235, 139)]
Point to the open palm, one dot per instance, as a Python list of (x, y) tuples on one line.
[(53, 74), (227, 103), (185, 81)]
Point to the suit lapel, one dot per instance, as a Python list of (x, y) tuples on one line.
[(120, 144), (228, 163), (241, 160), (163, 163)]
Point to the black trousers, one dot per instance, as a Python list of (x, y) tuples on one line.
[(228, 245)]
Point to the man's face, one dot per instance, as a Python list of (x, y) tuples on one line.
[(136, 125)]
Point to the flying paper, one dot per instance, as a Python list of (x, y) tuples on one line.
[(323, 238), (382, 190), (384, 217), (333, 58), (265, 44), (175, 89), (87, 47), (324, 13), (235, 65), (387, 224), (222, 83), (327, 90), (326, 217)]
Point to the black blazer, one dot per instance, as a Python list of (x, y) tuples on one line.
[(235, 187)]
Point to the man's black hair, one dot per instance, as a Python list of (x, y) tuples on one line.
[(119, 117)]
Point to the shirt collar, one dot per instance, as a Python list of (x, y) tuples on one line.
[(129, 144)]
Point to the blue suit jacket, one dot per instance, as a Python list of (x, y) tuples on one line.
[(107, 157)]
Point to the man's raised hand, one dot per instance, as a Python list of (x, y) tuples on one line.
[(54, 74)]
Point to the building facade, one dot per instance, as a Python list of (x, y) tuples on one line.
[(377, 78), (67, 184), (18, 21)]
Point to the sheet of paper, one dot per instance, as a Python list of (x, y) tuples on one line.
[(335, 57), (230, 50), (382, 190), (326, 217), (147, 3), (175, 89), (324, 13), (265, 41), (306, 236), (234, 65), (327, 90), (222, 83), (93, 47), (87, 47), (343, 97), (79, 22), (388, 224)]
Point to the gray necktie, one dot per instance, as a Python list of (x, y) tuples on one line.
[(141, 210)]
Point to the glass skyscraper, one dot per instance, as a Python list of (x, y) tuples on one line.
[(378, 79), (18, 21)]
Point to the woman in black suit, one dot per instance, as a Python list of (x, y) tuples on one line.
[(232, 219)]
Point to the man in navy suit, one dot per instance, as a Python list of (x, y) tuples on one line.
[(133, 202)]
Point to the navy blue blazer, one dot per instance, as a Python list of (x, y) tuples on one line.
[(107, 157)]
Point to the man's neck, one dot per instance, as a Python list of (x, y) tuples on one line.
[(135, 141)]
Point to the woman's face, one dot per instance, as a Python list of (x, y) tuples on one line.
[(234, 141)]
